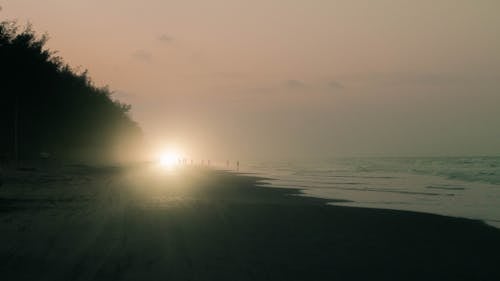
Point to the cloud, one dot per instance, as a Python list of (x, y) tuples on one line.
[(295, 84), (425, 78), (164, 38), (335, 85), (142, 55)]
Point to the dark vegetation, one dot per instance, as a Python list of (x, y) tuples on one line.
[(46, 107)]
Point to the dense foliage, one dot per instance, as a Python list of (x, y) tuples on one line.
[(45, 106)]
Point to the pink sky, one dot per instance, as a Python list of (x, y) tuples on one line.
[(290, 79)]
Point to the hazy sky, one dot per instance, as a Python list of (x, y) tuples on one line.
[(290, 79)]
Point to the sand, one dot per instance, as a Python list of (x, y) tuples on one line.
[(147, 223)]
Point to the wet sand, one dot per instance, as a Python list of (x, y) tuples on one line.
[(145, 223)]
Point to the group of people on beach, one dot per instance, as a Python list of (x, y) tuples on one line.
[(184, 161)]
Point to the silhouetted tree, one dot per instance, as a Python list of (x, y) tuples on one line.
[(47, 106)]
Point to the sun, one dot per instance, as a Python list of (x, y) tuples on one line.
[(169, 158)]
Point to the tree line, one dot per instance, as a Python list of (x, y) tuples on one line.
[(48, 108)]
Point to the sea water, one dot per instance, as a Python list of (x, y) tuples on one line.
[(466, 187)]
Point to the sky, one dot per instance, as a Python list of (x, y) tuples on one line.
[(271, 80)]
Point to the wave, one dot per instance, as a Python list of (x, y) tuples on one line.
[(472, 169), (456, 186)]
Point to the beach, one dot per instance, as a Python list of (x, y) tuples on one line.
[(145, 222)]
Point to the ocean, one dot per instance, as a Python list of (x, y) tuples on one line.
[(467, 187)]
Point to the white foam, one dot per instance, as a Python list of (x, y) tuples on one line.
[(459, 187)]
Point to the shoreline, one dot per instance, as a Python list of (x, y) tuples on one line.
[(441, 200), (141, 223), (302, 193)]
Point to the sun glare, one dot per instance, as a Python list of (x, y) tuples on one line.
[(170, 158)]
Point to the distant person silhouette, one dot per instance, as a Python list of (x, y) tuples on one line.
[(238, 165), (227, 163)]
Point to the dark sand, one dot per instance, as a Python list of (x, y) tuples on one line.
[(141, 223)]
